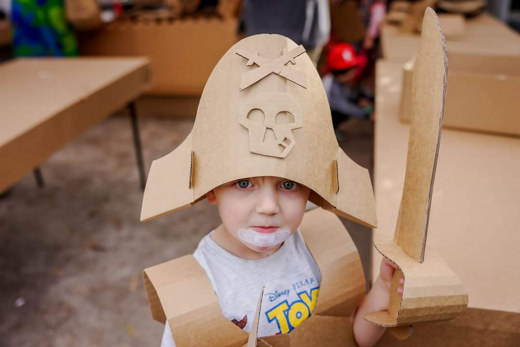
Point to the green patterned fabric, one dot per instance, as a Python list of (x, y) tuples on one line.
[(40, 29)]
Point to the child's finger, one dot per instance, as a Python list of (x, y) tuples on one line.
[(386, 271), (390, 263), (400, 291)]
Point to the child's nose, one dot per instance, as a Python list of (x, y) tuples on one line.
[(267, 202)]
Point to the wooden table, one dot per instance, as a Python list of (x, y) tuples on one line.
[(46, 103), (474, 222), (483, 35)]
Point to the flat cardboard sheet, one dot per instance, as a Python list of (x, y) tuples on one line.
[(47, 103), (474, 218), (482, 93), (182, 52), (482, 35)]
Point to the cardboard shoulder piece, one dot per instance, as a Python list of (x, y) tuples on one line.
[(263, 112), (180, 292), (432, 292)]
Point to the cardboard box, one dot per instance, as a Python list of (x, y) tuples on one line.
[(482, 93), (473, 221), (182, 52)]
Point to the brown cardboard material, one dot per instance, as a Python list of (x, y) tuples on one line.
[(473, 328), (483, 35), (253, 334), (482, 94), (413, 22), (431, 291), (180, 292), (473, 220), (347, 24), (5, 33), (453, 25), (309, 154), (83, 15), (396, 17), (400, 6), (398, 12), (468, 7), (67, 96), (182, 52)]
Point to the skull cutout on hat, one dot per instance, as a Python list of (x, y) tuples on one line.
[(271, 113), (265, 115)]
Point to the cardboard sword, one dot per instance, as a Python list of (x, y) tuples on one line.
[(432, 292)]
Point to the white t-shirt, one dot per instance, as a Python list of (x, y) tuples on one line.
[(290, 276)]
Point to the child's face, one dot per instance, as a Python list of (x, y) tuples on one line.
[(260, 202)]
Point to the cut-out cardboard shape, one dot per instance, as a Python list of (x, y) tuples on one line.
[(279, 113), (432, 291), (268, 66), (180, 292)]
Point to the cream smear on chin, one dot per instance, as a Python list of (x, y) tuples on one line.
[(263, 240)]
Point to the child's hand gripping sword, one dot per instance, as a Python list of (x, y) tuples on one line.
[(432, 292)]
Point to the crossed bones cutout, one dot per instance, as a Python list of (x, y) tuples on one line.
[(269, 66)]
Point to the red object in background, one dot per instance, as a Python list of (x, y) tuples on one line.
[(118, 8), (342, 56)]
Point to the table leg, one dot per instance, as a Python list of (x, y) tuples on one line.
[(38, 176), (137, 144)]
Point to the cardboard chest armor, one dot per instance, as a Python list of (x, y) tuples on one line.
[(180, 292)]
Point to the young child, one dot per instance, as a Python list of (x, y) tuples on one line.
[(262, 145), (238, 263), (346, 97)]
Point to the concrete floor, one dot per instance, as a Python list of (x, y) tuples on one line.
[(73, 252)]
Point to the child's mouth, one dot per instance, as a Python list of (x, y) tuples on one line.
[(265, 229)]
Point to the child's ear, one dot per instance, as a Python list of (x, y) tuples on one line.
[(211, 197)]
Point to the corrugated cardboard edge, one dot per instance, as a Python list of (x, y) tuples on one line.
[(353, 199), (194, 313), (432, 291), (428, 94), (253, 334), (171, 173)]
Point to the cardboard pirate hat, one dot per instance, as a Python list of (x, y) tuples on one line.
[(263, 112)]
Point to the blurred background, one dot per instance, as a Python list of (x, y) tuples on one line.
[(92, 91)]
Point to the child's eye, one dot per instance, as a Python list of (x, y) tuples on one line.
[(243, 184), (289, 185)]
